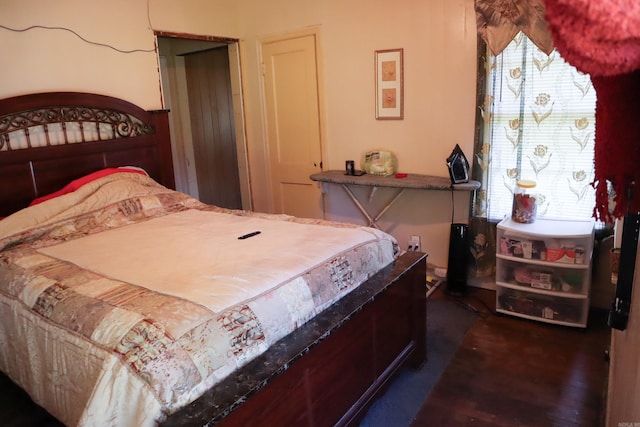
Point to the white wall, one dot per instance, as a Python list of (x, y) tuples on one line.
[(439, 42), (44, 60), (438, 38)]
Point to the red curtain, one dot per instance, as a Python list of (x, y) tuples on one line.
[(602, 38)]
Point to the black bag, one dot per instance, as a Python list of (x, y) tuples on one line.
[(458, 166)]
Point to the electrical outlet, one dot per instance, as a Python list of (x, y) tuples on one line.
[(415, 244)]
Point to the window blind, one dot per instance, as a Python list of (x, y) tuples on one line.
[(542, 128)]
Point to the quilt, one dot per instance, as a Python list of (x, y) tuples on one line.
[(123, 301)]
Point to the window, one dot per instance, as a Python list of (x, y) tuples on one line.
[(541, 128)]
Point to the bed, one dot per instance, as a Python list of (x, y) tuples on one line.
[(108, 307)]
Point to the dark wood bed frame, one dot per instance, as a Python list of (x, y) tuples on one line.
[(327, 372)]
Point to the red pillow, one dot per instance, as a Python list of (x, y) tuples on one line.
[(77, 183)]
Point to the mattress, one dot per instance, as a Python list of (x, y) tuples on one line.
[(124, 301)]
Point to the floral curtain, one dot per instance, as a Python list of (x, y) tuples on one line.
[(599, 37), (482, 231), (498, 22), (535, 121)]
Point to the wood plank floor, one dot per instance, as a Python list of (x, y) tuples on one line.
[(516, 372)]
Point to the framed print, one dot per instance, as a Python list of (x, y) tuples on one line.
[(389, 84)]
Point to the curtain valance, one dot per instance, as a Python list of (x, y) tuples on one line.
[(499, 21)]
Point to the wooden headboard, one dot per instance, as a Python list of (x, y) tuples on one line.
[(50, 139)]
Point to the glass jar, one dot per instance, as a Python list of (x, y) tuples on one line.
[(524, 203)]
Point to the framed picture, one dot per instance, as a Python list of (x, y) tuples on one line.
[(389, 84)]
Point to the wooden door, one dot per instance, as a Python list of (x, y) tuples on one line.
[(212, 127), (293, 124)]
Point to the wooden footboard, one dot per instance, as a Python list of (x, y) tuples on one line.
[(330, 370)]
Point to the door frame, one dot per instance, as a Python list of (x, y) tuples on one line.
[(175, 87), (309, 31)]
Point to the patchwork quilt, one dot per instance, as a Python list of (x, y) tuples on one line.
[(123, 301)]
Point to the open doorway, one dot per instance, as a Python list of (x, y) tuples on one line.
[(201, 87)]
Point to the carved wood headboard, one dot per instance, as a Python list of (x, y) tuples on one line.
[(50, 139)]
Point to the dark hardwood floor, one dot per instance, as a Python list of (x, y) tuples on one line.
[(516, 372)]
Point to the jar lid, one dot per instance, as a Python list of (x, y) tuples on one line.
[(525, 183)]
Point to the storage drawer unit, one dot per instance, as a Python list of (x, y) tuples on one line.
[(543, 270)]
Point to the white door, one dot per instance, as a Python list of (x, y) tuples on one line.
[(293, 124)]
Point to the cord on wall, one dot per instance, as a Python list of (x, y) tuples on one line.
[(44, 27), (453, 207)]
